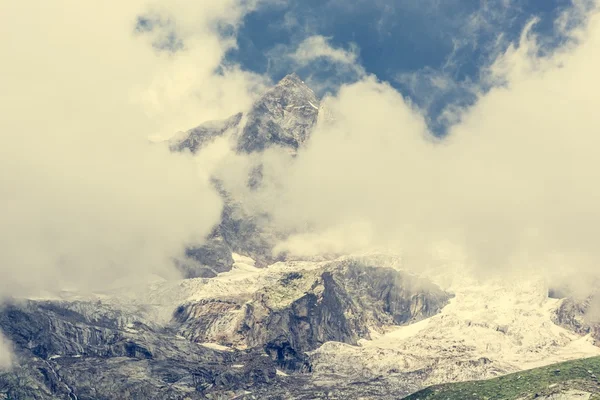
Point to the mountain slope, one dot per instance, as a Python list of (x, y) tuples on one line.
[(570, 380), (199, 137), (282, 117), (205, 338)]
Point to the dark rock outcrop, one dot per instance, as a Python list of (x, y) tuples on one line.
[(338, 303), (199, 137), (89, 351), (208, 260), (96, 350), (284, 116)]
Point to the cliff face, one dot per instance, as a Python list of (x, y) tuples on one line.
[(199, 137), (65, 353), (340, 302), (229, 344), (228, 337), (283, 117)]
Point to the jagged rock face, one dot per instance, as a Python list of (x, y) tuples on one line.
[(340, 302), (197, 138), (572, 314), (210, 321), (208, 260), (237, 232), (98, 349), (284, 117), (89, 351), (248, 234)]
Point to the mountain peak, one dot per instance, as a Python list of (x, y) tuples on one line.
[(291, 78), (283, 116)]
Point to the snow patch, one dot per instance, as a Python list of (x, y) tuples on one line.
[(216, 346), (488, 329)]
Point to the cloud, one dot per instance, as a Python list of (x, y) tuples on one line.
[(513, 184), (6, 357), (477, 37), (439, 95), (324, 66), (317, 46), (87, 201)]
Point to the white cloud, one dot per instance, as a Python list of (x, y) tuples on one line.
[(86, 199), (6, 357), (514, 184), (317, 46)]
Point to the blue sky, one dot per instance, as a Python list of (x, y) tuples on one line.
[(403, 42)]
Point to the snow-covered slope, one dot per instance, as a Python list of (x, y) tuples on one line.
[(284, 116), (488, 329)]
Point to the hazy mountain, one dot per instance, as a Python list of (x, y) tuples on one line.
[(284, 116), (245, 325)]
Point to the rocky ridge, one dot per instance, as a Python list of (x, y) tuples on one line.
[(349, 329), (217, 346), (282, 117)]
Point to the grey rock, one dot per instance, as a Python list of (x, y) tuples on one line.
[(284, 116), (197, 138), (248, 234), (340, 302), (89, 351), (97, 350)]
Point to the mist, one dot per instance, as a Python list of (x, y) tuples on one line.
[(5, 353), (513, 185), (88, 202)]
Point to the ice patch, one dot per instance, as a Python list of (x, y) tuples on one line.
[(216, 346), (488, 329)]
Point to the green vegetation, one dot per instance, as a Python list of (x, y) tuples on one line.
[(572, 375)]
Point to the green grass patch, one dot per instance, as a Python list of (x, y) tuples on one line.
[(577, 375)]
